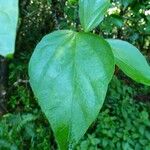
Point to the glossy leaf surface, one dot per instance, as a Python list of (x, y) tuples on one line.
[(8, 26), (69, 74), (131, 61), (92, 12)]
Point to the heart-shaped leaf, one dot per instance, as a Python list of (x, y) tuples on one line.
[(92, 12), (69, 74), (8, 26), (131, 61)]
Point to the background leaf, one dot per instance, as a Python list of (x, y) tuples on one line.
[(131, 61), (8, 25), (69, 74), (92, 12)]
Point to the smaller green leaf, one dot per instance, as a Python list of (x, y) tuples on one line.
[(131, 61), (92, 12), (117, 20)]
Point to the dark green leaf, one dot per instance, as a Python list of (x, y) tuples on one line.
[(117, 20), (125, 3), (92, 12), (49, 1), (69, 74), (131, 61)]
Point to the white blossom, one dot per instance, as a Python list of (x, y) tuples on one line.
[(114, 10), (147, 12)]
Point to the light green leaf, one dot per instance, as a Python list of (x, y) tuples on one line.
[(131, 61), (8, 26), (69, 74), (92, 12)]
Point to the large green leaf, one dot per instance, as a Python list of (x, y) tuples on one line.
[(69, 74), (92, 12), (8, 26), (131, 61)]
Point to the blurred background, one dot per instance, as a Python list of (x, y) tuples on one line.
[(124, 120)]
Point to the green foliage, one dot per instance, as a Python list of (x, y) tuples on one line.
[(92, 12), (122, 104), (131, 61), (81, 63), (72, 2), (8, 26), (122, 124), (11, 127), (71, 83), (19, 130), (133, 26)]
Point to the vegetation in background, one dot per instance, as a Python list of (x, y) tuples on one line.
[(124, 119), (123, 123)]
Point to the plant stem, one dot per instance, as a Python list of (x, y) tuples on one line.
[(3, 84)]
